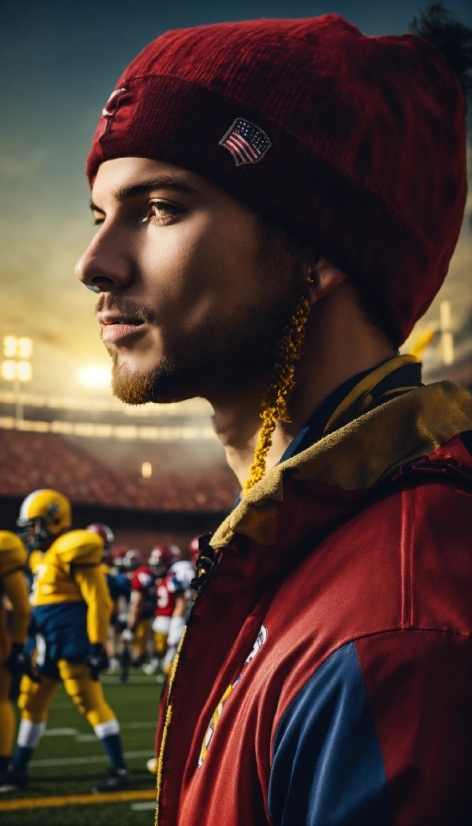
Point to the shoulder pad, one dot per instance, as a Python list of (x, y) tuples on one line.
[(12, 552), (80, 547), (145, 569), (181, 573), (142, 578), (180, 566)]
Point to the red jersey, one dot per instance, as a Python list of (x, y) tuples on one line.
[(143, 581), (165, 598)]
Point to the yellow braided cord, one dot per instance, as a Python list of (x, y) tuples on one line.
[(275, 399), (160, 762)]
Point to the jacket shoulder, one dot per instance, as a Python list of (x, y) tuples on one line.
[(403, 561)]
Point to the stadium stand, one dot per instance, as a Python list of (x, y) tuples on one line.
[(37, 460)]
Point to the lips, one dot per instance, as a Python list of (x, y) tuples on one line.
[(115, 328)]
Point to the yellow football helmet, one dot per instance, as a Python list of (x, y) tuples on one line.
[(44, 515)]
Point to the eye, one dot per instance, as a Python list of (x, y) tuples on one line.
[(162, 212)]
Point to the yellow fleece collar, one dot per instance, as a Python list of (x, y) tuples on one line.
[(359, 454)]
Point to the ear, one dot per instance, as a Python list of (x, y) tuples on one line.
[(326, 276)]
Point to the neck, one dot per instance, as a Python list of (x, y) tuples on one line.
[(339, 344), (237, 423)]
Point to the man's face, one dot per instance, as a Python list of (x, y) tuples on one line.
[(188, 306)]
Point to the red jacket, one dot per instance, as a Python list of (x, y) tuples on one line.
[(326, 673)]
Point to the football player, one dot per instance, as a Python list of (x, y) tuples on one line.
[(161, 559), (13, 661), (171, 605), (71, 611), (194, 550), (116, 559), (119, 588), (108, 537), (142, 604), (178, 583)]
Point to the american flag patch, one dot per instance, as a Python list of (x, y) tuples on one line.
[(246, 142)]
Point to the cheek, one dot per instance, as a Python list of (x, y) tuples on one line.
[(200, 267)]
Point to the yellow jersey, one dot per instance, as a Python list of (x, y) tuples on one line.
[(68, 574), (53, 570)]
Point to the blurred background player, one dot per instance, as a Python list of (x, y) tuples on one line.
[(178, 583), (161, 559), (184, 569), (108, 537), (194, 551), (174, 595), (71, 611), (13, 633), (119, 588), (142, 605)]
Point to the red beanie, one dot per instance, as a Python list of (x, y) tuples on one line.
[(355, 144)]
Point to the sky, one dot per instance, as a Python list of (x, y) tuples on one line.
[(59, 61)]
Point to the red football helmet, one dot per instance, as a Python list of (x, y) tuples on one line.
[(132, 560), (116, 557), (194, 550), (106, 533), (162, 557)]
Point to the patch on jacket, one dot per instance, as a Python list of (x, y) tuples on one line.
[(260, 640)]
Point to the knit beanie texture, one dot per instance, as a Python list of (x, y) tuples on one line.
[(354, 144)]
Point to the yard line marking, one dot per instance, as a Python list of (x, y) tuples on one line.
[(60, 732), (142, 807), (90, 738), (76, 799), (82, 761)]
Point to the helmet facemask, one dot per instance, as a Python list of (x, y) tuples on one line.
[(34, 532), (44, 516)]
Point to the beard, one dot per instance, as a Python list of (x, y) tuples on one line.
[(215, 361)]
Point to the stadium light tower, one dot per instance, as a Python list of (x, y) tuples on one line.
[(146, 470), (95, 377), (446, 332), (17, 367)]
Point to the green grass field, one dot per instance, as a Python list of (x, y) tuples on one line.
[(69, 760)]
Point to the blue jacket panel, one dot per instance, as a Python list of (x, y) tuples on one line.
[(326, 741)]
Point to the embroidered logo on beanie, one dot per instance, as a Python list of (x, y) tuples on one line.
[(111, 106), (246, 142)]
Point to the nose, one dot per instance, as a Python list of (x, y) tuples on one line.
[(103, 267)]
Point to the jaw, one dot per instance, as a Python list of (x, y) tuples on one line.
[(219, 356), (137, 381), (137, 360)]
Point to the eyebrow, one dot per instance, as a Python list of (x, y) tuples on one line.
[(127, 192)]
